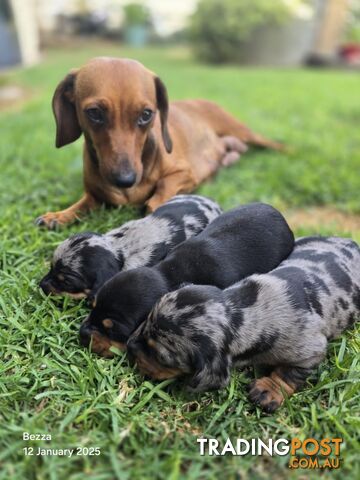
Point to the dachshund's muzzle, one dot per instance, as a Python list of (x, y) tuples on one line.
[(86, 331), (45, 286)]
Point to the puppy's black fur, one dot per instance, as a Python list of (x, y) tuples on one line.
[(85, 261), (249, 239)]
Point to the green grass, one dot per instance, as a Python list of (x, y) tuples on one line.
[(145, 429)]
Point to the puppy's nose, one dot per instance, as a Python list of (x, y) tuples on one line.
[(45, 286), (85, 333), (132, 347), (125, 179)]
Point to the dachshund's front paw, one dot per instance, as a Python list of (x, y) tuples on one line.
[(48, 220), (268, 393), (152, 205), (53, 220)]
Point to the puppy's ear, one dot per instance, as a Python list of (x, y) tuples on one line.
[(163, 106), (63, 103), (103, 271), (210, 374)]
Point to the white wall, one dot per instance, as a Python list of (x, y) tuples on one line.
[(169, 15), (27, 30)]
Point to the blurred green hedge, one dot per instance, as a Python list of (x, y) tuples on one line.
[(219, 29)]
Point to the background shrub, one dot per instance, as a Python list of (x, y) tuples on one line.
[(219, 29)]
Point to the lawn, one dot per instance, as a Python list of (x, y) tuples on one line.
[(148, 430)]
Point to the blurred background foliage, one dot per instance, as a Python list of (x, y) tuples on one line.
[(219, 29), (276, 32), (352, 31)]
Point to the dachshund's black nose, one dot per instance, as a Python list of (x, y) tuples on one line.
[(125, 179), (45, 286), (85, 333)]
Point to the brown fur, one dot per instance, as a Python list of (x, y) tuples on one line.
[(101, 345), (270, 392), (153, 369), (184, 144), (75, 296)]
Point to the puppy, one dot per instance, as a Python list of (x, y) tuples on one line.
[(283, 320), (85, 261), (140, 149), (248, 239)]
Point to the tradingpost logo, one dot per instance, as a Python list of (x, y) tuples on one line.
[(309, 453)]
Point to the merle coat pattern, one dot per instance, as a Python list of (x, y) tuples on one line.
[(248, 239), (85, 261), (283, 319)]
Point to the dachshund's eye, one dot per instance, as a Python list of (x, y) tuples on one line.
[(145, 117), (95, 115)]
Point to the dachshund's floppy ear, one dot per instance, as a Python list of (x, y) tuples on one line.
[(102, 268), (210, 375), (63, 103), (163, 106)]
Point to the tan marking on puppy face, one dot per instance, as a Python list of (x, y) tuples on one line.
[(108, 323), (76, 296), (101, 345), (53, 291), (93, 303), (151, 342), (60, 277), (153, 369)]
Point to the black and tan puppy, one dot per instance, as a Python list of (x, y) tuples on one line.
[(85, 261), (282, 320), (248, 239)]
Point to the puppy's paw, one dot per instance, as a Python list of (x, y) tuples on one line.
[(268, 393), (53, 220)]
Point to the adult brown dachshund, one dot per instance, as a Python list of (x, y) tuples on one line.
[(131, 155)]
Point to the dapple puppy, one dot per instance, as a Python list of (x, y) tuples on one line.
[(283, 320), (85, 261), (248, 239)]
